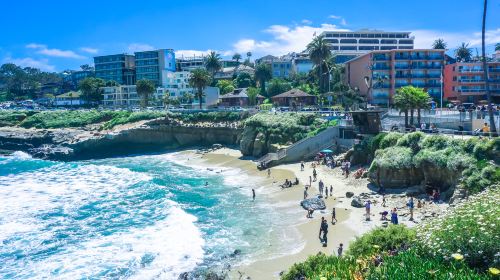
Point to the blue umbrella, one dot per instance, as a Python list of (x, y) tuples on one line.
[(327, 151)]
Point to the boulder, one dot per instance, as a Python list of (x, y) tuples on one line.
[(247, 140), (393, 178), (259, 145), (415, 191), (349, 194), (356, 202), (314, 203)]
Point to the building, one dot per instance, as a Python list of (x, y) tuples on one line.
[(464, 82), (266, 59), (233, 71), (73, 78), (378, 74), (281, 67), (302, 64), (347, 45), (152, 65), (237, 98), (121, 96), (294, 98), (72, 98), (177, 83), (118, 67)]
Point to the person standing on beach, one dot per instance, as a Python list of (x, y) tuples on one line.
[(320, 184), (334, 216), (347, 167), (301, 166), (331, 190), (268, 172), (305, 193), (340, 250), (326, 192), (383, 200), (367, 207), (411, 205), (323, 229), (394, 216), (314, 175), (253, 194)]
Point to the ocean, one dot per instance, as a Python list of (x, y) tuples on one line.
[(137, 217)]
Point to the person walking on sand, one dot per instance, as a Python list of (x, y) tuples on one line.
[(323, 229), (253, 194), (301, 166), (305, 193), (320, 186), (394, 216), (347, 167), (383, 200), (310, 181), (334, 216), (340, 250), (268, 172), (326, 192), (331, 190), (314, 175), (367, 207), (411, 205)]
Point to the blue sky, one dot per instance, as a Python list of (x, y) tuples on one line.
[(57, 35)]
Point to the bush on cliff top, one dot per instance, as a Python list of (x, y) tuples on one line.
[(60, 119), (125, 117), (382, 239), (13, 118), (393, 158)]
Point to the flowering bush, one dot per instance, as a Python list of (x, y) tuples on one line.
[(381, 239), (471, 230)]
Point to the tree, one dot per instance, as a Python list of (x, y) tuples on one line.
[(349, 97), (237, 57), (213, 63), (225, 86), (243, 80), (439, 44), (166, 100), (144, 89), (112, 83), (91, 89), (463, 53), (252, 93), (403, 100), (200, 78), (493, 127), (421, 100), (497, 47), (263, 73), (319, 53), (249, 55), (86, 67), (277, 86)]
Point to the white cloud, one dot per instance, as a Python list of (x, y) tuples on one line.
[(425, 38), (139, 47), (343, 22), (191, 53), (284, 39), (306, 21), (89, 50), (334, 17), (42, 64), (42, 49)]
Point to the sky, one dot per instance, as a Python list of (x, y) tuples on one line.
[(55, 35)]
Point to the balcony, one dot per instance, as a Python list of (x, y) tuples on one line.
[(470, 70), (435, 57), (402, 57), (381, 57), (381, 86), (470, 81), (402, 66), (405, 76), (432, 85), (419, 57), (381, 67)]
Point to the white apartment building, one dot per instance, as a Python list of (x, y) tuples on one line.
[(121, 96), (177, 83), (347, 45)]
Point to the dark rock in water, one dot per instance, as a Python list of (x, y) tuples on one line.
[(235, 253), (356, 202), (183, 276), (349, 194), (213, 276), (314, 203)]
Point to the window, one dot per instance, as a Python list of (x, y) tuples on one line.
[(406, 41), (368, 41), (348, 41), (388, 47), (454, 78), (334, 48), (388, 41), (367, 48), (347, 48)]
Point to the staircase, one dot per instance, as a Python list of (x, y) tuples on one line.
[(303, 149)]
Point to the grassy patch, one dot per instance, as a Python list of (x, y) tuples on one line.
[(130, 117), (382, 239)]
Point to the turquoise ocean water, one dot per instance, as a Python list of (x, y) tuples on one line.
[(140, 217)]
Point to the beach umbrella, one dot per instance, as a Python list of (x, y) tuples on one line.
[(327, 151)]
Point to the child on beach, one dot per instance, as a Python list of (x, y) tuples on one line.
[(268, 173), (326, 192), (394, 216), (367, 207)]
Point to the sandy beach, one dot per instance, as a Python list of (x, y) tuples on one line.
[(302, 233)]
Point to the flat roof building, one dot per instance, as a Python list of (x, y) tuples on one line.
[(118, 67), (387, 71), (464, 81), (347, 45), (150, 65)]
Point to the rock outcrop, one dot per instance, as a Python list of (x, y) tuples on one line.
[(259, 145), (356, 202), (314, 203), (247, 141)]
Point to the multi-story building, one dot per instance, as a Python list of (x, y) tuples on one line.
[(347, 45), (118, 67), (151, 65), (121, 96), (302, 64), (190, 63), (177, 83), (465, 81), (378, 74), (281, 67)]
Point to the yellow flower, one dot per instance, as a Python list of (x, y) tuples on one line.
[(323, 278), (457, 256), (494, 271), (376, 246)]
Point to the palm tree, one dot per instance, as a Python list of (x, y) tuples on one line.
[(213, 63), (493, 127), (319, 52), (166, 99), (237, 57), (403, 101), (249, 55), (421, 100), (144, 89), (263, 73), (439, 44), (463, 53), (497, 47), (200, 78)]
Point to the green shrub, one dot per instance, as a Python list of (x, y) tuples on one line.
[(393, 157), (381, 239), (450, 158), (60, 119), (390, 140), (411, 140), (472, 230), (130, 117), (320, 265), (375, 142), (12, 118), (410, 265), (435, 142)]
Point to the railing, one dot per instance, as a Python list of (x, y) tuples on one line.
[(470, 81), (381, 67)]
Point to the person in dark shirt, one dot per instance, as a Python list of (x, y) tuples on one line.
[(323, 229)]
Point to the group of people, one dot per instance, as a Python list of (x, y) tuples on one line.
[(289, 183), (346, 166)]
